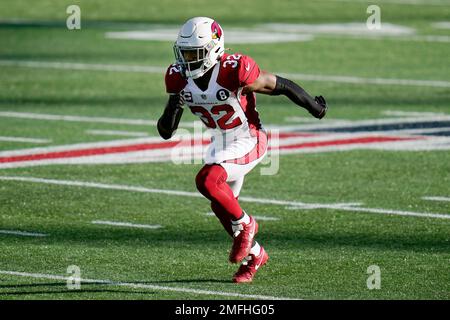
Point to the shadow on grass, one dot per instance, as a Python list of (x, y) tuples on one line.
[(26, 289), (146, 102), (59, 287), (187, 281), (291, 237)]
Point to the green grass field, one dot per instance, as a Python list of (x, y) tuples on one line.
[(315, 253)]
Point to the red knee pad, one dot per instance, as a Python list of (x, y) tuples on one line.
[(209, 178), (211, 182)]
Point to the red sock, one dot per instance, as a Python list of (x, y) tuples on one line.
[(211, 182), (223, 217)]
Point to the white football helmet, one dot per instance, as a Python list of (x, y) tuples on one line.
[(199, 46)]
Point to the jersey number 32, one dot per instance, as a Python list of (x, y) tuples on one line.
[(226, 111)]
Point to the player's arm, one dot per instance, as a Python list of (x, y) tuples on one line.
[(268, 83), (168, 122)]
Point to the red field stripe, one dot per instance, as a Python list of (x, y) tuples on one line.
[(284, 135), (345, 141), (98, 151)]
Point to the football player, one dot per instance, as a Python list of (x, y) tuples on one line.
[(220, 88)]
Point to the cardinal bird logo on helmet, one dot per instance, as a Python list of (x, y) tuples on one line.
[(216, 30)]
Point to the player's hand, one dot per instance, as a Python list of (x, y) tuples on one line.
[(321, 101)]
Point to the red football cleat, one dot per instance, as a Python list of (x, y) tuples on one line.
[(243, 240), (247, 271)]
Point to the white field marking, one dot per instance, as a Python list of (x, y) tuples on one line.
[(23, 233), (262, 218), (298, 119), (184, 148), (352, 124), (401, 145), (441, 24), (382, 211), (308, 120), (310, 207), (188, 155), (127, 224), (398, 113), (436, 198), (184, 153), (299, 76), (337, 206), (427, 38), (355, 31), (78, 146), (157, 155), (104, 144), (351, 28), (415, 132), (328, 137), (73, 118), (414, 145), (22, 139), (82, 66), (378, 37), (135, 285), (395, 133), (235, 36), (361, 80), (433, 144), (400, 2), (117, 133)]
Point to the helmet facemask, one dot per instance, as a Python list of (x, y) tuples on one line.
[(194, 61)]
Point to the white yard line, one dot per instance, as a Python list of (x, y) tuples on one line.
[(82, 66), (340, 29), (436, 198), (22, 233), (400, 2), (399, 113), (234, 36), (127, 224), (160, 70), (87, 119), (23, 139), (117, 133), (262, 218), (297, 204), (312, 120), (409, 132), (441, 24), (86, 145), (136, 285), (358, 123), (362, 80), (428, 38), (290, 32)]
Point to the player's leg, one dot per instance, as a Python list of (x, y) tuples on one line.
[(256, 256), (245, 228), (211, 182), (221, 212)]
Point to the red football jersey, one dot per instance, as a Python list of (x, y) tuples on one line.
[(222, 107)]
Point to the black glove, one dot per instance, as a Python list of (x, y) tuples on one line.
[(321, 101), (168, 122)]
